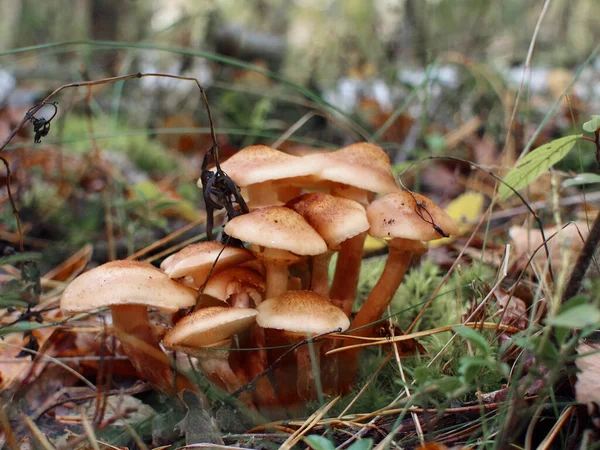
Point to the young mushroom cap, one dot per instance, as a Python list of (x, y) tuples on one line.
[(235, 281), (209, 325), (129, 288), (302, 313), (259, 163), (399, 215), (362, 165), (197, 260), (277, 227), (126, 283), (335, 219)]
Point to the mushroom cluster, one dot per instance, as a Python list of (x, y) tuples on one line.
[(249, 306)]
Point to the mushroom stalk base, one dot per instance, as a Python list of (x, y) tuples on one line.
[(141, 347), (307, 389), (375, 305)]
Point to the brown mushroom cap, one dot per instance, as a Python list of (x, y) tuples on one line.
[(301, 312), (398, 216), (277, 227), (197, 260), (362, 165), (209, 325), (259, 163), (126, 283), (233, 281), (335, 219)]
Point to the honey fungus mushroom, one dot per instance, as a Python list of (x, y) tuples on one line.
[(196, 262), (282, 234), (406, 219), (358, 172), (258, 169), (129, 288), (213, 326), (297, 315), (336, 220)]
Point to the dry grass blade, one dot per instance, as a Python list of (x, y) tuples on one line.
[(36, 432), (406, 337), (89, 430), (547, 442), (307, 425)]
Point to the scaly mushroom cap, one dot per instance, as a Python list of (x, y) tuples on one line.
[(335, 219), (126, 283), (259, 163), (209, 325), (197, 260), (301, 312), (362, 165), (234, 280), (277, 227), (398, 216)]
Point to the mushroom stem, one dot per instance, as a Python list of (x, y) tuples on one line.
[(219, 371), (141, 347), (240, 300), (262, 194), (375, 305), (277, 279), (347, 271), (306, 371), (319, 282), (257, 363)]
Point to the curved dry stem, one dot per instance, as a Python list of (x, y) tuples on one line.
[(141, 347), (347, 271)]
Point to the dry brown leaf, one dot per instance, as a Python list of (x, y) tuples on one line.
[(587, 387), (568, 242)]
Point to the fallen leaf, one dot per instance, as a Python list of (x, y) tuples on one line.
[(587, 387), (465, 210)]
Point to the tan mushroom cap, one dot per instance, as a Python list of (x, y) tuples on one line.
[(209, 325), (197, 260), (397, 216), (126, 283), (234, 280), (301, 312), (277, 227), (362, 165), (335, 219), (259, 163)]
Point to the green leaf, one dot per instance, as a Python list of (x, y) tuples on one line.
[(579, 316), (474, 338), (581, 179), (319, 442), (592, 125), (362, 444), (535, 164)]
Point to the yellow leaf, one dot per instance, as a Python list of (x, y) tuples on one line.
[(464, 210), (373, 244)]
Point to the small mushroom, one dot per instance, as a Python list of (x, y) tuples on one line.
[(407, 219), (297, 315), (336, 220), (239, 286), (213, 326), (283, 233), (198, 261), (355, 172), (257, 169), (129, 288)]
